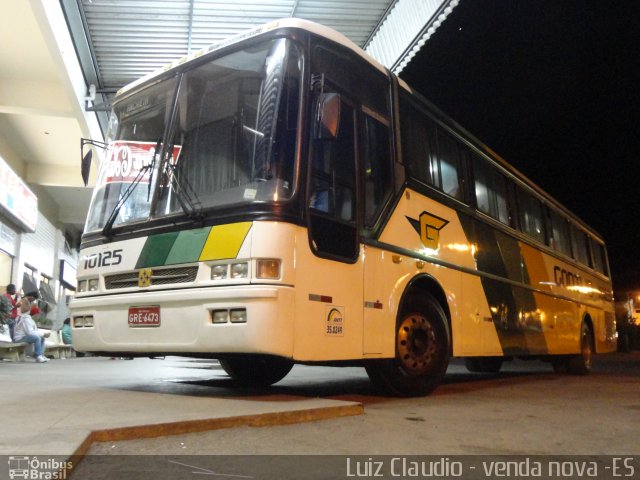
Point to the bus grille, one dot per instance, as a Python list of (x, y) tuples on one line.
[(158, 277)]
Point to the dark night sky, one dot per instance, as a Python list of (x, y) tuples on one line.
[(553, 86)]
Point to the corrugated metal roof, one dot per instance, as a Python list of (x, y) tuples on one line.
[(406, 29), (130, 38)]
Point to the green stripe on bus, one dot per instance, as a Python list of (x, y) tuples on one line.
[(156, 250), (201, 244), (513, 308), (188, 246)]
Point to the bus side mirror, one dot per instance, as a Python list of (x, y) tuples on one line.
[(328, 118), (85, 167), (85, 164)]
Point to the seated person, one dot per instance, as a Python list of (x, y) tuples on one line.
[(65, 332), (26, 331)]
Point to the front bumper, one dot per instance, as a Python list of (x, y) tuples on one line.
[(186, 325)]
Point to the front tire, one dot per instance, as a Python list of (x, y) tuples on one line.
[(256, 370), (422, 350)]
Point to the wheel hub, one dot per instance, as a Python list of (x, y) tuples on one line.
[(416, 343)]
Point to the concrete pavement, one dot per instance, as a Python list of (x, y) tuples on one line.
[(524, 410), (63, 406), (172, 415)]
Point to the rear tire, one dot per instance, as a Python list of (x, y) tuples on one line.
[(256, 370), (422, 350), (580, 364)]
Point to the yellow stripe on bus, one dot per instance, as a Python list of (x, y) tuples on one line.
[(224, 241)]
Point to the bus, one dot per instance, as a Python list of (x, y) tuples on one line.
[(282, 198)]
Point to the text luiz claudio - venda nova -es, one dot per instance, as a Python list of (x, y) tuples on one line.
[(445, 467)]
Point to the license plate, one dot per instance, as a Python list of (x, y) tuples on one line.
[(148, 316)]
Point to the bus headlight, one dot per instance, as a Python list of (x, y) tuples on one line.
[(239, 270), (268, 268), (218, 272), (219, 316), (90, 285), (85, 321), (238, 315)]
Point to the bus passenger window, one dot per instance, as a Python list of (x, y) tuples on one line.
[(491, 191), (599, 257), (531, 220), (449, 155), (560, 237), (560, 233), (431, 155), (417, 135), (580, 246)]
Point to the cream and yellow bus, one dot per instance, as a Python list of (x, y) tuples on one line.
[(282, 198)]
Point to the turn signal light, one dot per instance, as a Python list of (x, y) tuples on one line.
[(268, 268)]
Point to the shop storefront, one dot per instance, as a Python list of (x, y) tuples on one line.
[(33, 250)]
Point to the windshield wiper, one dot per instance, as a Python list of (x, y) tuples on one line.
[(153, 164), (108, 226), (185, 194)]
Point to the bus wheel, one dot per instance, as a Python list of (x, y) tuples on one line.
[(580, 364), (483, 364), (422, 350), (256, 370)]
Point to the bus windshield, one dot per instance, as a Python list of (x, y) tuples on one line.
[(221, 134)]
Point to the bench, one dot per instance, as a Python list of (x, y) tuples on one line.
[(54, 347), (13, 351)]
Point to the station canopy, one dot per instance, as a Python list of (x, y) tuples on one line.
[(121, 40)]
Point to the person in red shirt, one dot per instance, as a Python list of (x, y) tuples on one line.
[(13, 301)]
